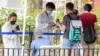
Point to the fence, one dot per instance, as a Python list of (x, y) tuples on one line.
[(50, 52), (26, 51), (45, 51)]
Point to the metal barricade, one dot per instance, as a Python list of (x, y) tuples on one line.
[(50, 52)]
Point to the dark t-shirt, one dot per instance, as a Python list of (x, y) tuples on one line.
[(88, 18), (66, 22)]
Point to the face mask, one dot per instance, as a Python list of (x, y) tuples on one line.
[(49, 12), (13, 22)]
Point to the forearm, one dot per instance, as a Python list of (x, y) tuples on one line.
[(43, 25), (96, 30), (62, 28), (19, 35)]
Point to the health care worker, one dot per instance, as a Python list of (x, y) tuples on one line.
[(11, 41), (45, 20)]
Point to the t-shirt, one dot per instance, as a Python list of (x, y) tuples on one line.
[(37, 43), (88, 18), (66, 22)]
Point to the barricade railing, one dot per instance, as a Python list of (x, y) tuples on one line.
[(30, 34), (30, 40), (51, 52)]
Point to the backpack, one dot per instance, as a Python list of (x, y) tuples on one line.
[(75, 29), (89, 34)]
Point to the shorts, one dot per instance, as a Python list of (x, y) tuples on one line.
[(84, 45), (69, 44)]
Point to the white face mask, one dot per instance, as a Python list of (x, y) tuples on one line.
[(49, 12)]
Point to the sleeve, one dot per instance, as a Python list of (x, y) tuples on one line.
[(33, 50), (95, 18), (19, 35), (52, 20), (8, 36), (40, 23), (65, 21)]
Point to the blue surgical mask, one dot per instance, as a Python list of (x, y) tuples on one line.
[(49, 12)]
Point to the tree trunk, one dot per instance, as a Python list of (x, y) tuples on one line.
[(34, 4), (40, 3)]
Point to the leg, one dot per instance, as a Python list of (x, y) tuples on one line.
[(89, 50), (74, 51), (91, 46), (66, 45)]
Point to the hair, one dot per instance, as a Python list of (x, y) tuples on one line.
[(70, 5), (37, 31), (75, 11), (13, 14), (88, 7), (50, 5)]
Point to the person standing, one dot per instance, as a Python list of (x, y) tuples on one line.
[(65, 26), (90, 19), (45, 20), (11, 42)]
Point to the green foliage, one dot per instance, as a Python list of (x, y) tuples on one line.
[(22, 2), (26, 43), (31, 16), (97, 12), (60, 14)]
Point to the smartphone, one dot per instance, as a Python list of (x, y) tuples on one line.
[(17, 27)]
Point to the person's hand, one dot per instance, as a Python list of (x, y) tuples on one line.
[(51, 24), (58, 24), (57, 20), (14, 30)]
